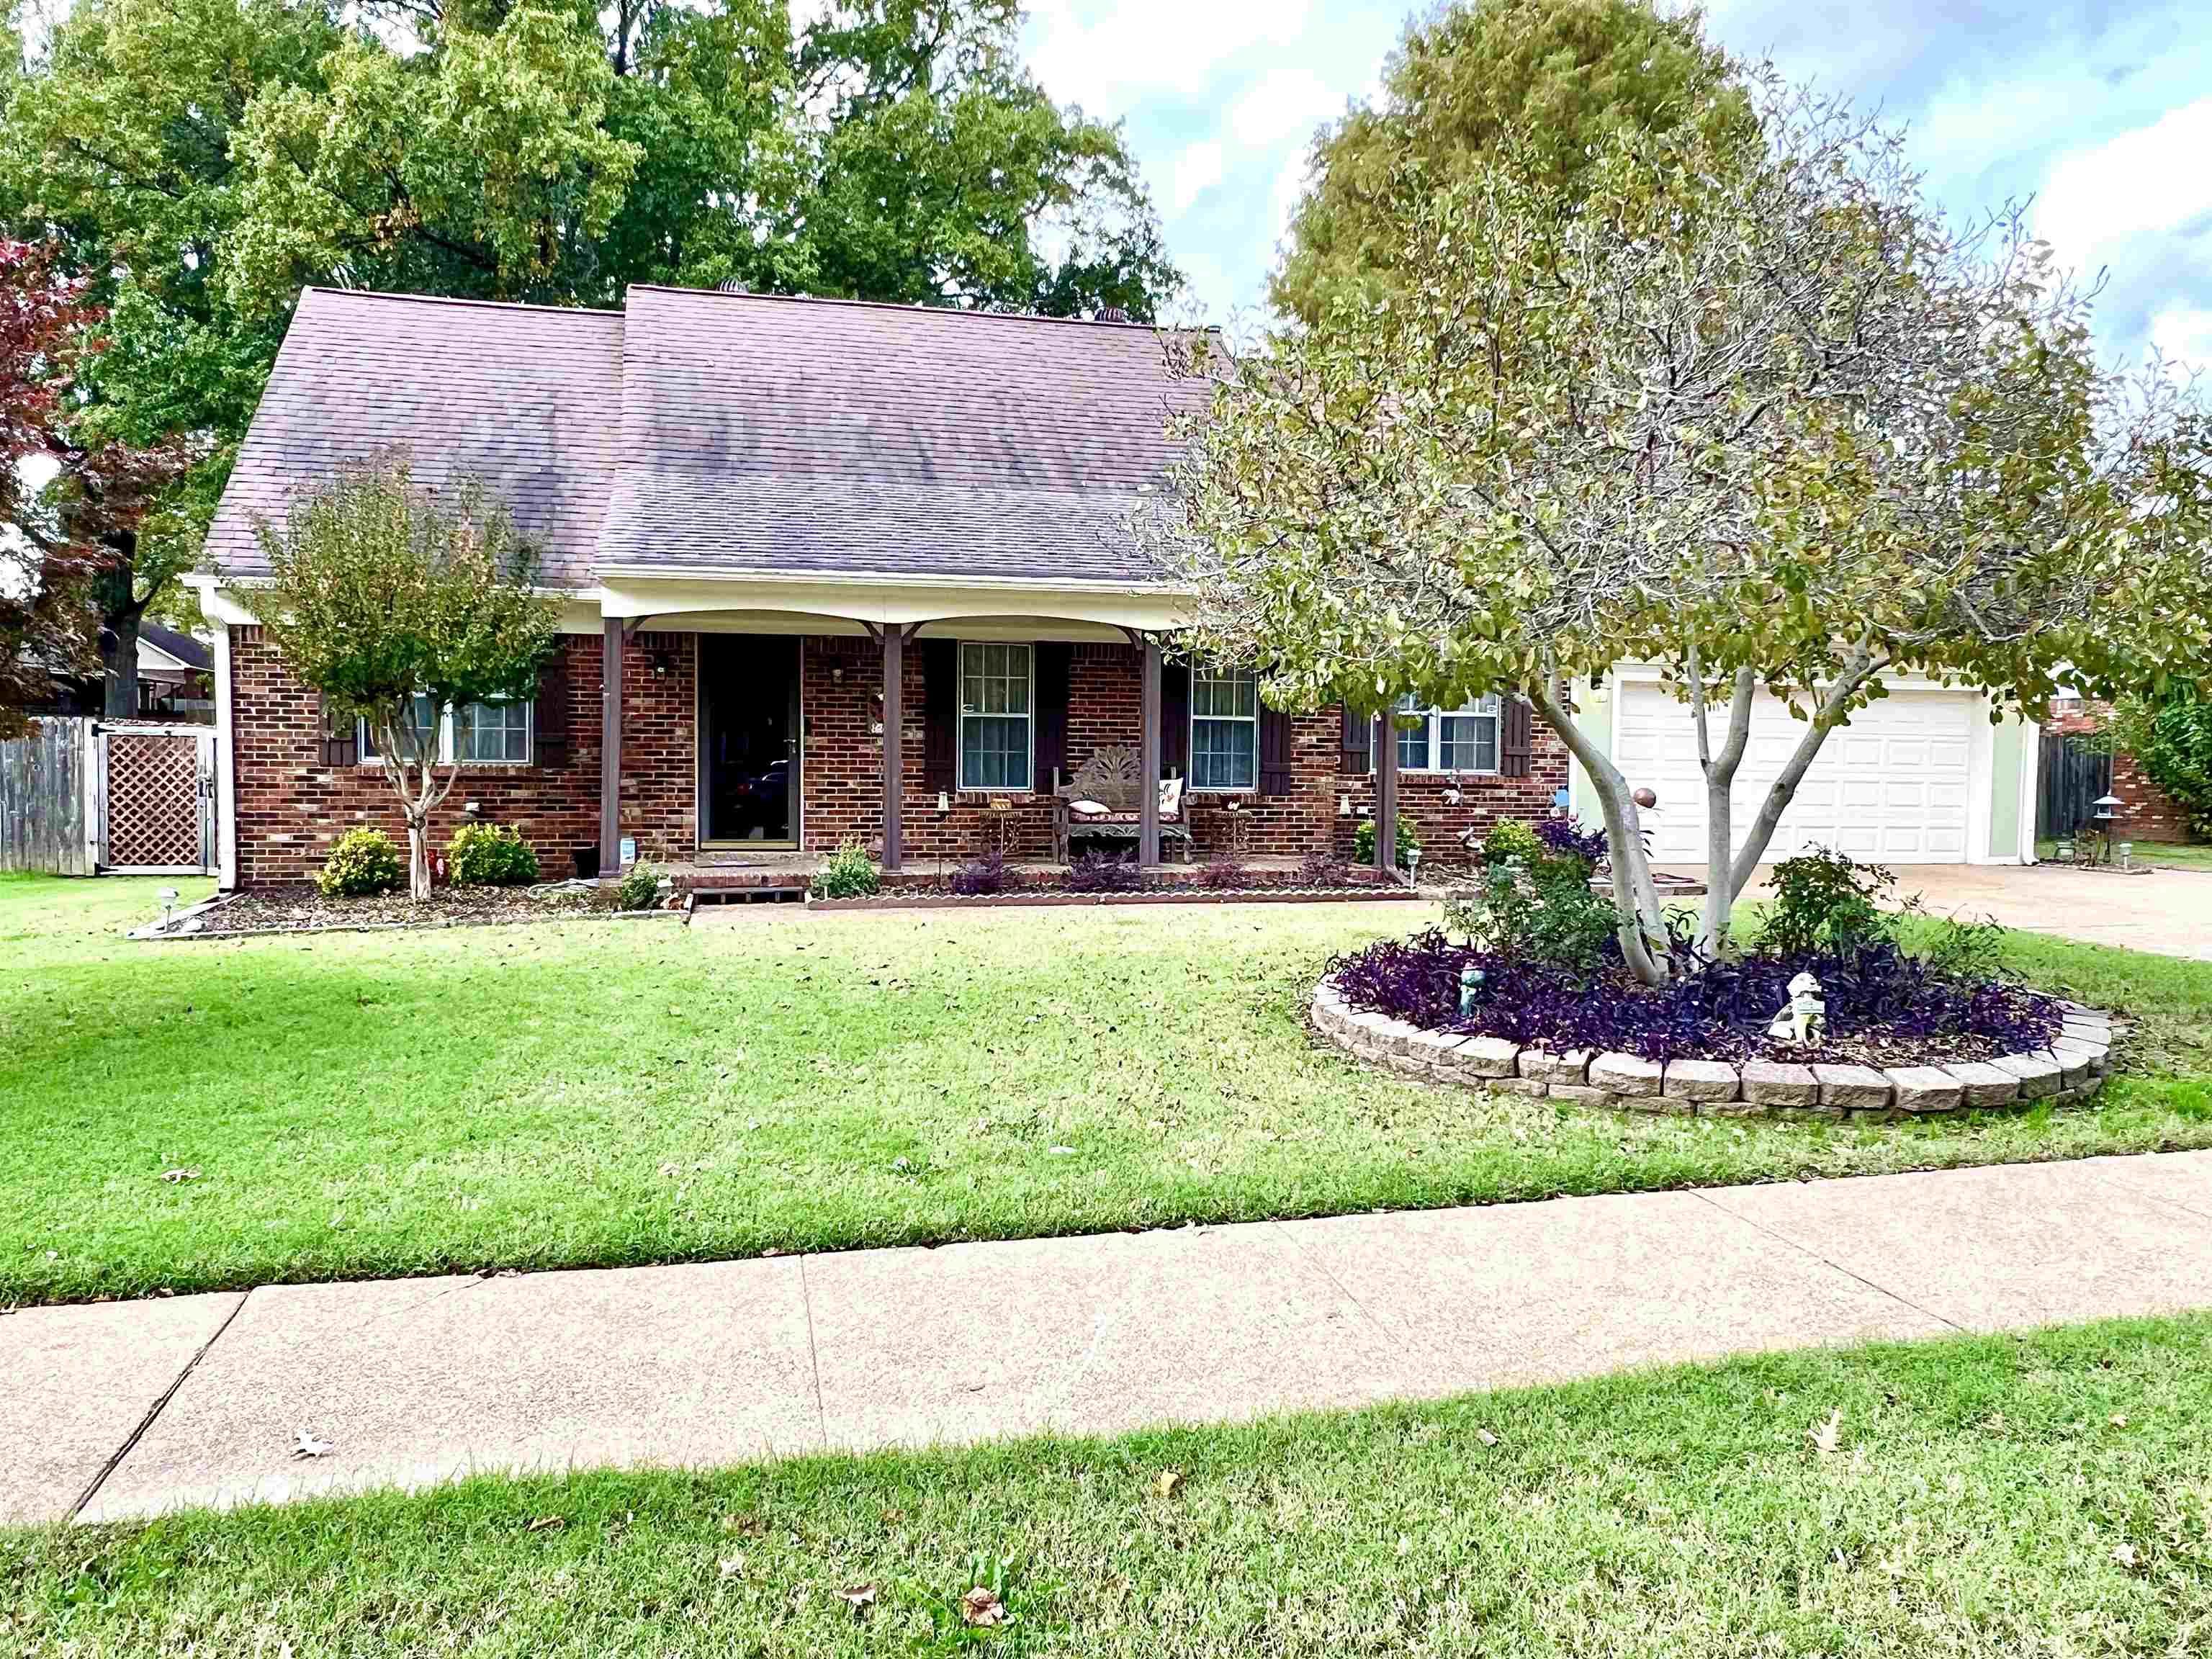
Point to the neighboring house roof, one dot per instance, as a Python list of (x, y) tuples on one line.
[(182, 649), (523, 396), (756, 434)]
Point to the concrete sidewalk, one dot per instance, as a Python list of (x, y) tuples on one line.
[(128, 1409)]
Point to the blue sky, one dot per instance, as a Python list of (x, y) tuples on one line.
[(2100, 112)]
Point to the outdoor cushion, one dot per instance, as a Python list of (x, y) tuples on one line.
[(1170, 797), (1089, 809)]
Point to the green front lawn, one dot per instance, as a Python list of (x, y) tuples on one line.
[(1989, 1495), (598, 1092)]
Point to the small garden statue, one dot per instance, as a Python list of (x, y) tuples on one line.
[(1805, 1020), (1470, 987)]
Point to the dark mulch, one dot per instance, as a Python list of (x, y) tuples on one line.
[(1885, 1007), (290, 908)]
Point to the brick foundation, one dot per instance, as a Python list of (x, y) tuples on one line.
[(290, 807)]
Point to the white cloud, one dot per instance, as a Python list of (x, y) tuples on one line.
[(1282, 103), (1197, 170), (2151, 181), (2184, 334), (1107, 57)]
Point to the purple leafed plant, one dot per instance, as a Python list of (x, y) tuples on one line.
[(986, 874), (1102, 872), (1565, 837), (1880, 1001)]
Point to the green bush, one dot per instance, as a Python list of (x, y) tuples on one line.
[(639, 888), (1509, 838), (1363, 841), (848, 872), (490, 855), (1966, 949), (2171, 739), (1547, 915), (364, 861), (1824, 901)]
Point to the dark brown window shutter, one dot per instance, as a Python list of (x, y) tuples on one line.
[(548, 719), (340, 739), (1357, 757), (1516, 738), (940, 713), (1051, 670), (1175, 719), (1278, 751)]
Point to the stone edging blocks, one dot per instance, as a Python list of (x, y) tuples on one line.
[(2072, 1069)]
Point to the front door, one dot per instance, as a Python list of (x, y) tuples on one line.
[(749, 736)]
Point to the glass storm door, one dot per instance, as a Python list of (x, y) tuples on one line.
[(748, 730)]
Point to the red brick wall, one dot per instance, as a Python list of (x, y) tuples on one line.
[(2148, 813), (290, 807)]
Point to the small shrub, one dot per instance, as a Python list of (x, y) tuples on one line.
[(848, 872), (1100, 872), (1965, 950), (1552, 917), (490, 855), (1509, 838), (1363, 841), (640, 887), (1824, 901), (986, 874), (1320, 869), (364, 861), (1224, 870)]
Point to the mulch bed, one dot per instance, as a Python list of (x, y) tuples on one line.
[(299, 908)]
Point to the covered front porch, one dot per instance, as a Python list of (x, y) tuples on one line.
[(933, 724)]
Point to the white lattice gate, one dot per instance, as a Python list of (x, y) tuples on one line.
[(153, 804)]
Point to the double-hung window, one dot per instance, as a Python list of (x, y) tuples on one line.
[(996, 736), (1224, 729), (497, 733), (1450, 739)]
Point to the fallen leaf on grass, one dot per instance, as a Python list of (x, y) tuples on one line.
[(547, 1523), (2125, 1554), (746, 1526), (1829, 1435), (2119, 1419), (859, 1598), (307, 1446), (1169, 1483), (732, 1565), (174, 1177), (1485, 1437), (979, 1607)]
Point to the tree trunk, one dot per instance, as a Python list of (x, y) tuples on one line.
[(418, 861), (1642, 924), (1716, 927), (118, 665)]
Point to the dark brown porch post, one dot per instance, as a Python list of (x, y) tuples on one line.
[(610, 678), (1386, 793), (1148, 751), (894, 638)]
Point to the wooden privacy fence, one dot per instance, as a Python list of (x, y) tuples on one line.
[(44, 789), (2075, 774), (80, 797)]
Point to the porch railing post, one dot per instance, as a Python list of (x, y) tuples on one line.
[(610, 679), (1148, 802), (894, 638)]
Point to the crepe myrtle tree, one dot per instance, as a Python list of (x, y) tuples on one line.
[(381, 591), (1745, 408)]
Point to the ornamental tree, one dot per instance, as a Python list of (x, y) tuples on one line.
[(1745, 407), (390, 597)]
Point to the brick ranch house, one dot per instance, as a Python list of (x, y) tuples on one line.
[(821, 559)]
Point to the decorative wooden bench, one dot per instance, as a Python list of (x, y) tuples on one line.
[(1104, 800)]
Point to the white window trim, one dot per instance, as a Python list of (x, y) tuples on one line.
[(1252, 720), (1435, 735), (960, 785), (448, 725)]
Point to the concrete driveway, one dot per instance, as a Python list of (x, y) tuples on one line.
[(2168, 911)]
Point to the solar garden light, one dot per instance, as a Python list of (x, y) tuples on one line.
[(2126, 850), (168, 906), (1413, 866)]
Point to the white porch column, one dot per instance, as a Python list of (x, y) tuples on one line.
[(610, 678), (1148, 805), (894, 641)]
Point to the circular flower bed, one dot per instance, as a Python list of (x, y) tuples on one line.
[(1903, 1036)]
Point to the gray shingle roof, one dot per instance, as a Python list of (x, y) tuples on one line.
[(523, 396), (754, 433)]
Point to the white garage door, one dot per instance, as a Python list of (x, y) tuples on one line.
[(1891, 786)]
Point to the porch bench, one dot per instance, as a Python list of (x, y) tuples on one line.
[(1104, 801)]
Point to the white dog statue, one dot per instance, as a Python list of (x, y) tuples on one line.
[(1805, 1020)]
